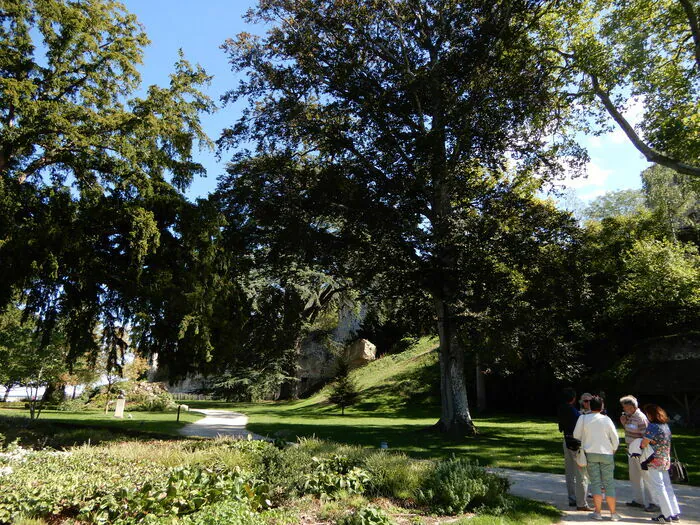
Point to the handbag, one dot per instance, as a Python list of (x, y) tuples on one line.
[(678, 472), (572, 443), (581, 459)]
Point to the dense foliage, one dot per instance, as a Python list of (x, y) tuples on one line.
[(138, 483)]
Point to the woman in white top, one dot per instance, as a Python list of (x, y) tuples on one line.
[(599, 440)]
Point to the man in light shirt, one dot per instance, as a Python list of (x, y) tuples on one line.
[(635, 424)]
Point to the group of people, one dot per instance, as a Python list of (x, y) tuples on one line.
[(648, 439)]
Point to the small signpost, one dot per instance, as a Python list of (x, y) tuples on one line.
[(183, 407), (119, 408)]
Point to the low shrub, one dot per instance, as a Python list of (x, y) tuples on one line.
[(229, 512), (286, 470), (334, 475), (140, 396), (369, 515), (72, 405), (395, 475), (456, 485), (186, 490)]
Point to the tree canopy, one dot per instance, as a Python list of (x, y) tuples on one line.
[(400, 140), (87, 166), (639, 52)]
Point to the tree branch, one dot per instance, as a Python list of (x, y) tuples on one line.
[(649, 153), (694, 28)]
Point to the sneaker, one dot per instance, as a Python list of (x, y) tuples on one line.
[(676, 518), (585, 507), (596, 516), (634, 504), (661, 518), (615, 517), (652, 508)]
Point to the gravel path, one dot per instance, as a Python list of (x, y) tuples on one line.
[(550, 488)]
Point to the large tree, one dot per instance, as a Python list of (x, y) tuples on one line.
[(389, 138), (86, 164)]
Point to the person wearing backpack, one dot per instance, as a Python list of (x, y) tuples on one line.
[(576, 480)]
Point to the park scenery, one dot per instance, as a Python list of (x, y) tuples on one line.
[(383, 237)]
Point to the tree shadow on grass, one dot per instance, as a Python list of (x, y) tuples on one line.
[(58, 435)]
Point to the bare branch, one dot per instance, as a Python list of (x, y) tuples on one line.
[(649, 153)]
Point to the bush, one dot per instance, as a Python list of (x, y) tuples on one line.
[(396, 475), (333, 476), (287, 470), (229, 512), (368, 515), (72, 405), (140, 396), (186, 490), (456, 485)]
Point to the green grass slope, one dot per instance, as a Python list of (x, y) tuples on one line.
[(399, 404)]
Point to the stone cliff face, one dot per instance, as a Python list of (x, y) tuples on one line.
[(317, 361), (317, 356)]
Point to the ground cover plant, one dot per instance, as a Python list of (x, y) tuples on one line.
[(240, 482)]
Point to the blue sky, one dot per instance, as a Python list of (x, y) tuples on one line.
[(199, 28)]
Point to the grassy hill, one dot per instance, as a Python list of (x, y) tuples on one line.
[(404, 384), (399, 404)]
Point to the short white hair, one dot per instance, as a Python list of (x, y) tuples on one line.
[(629, 400)]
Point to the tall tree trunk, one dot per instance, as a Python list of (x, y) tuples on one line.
[(455, 418), (480, 387), (290, 389)]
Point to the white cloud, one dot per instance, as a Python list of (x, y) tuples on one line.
[(595, 176), (591, 195)]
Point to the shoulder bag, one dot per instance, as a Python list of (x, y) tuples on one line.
[(678, 472)]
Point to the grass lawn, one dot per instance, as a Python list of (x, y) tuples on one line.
[(62, 428), (508, 441), (399, 405)]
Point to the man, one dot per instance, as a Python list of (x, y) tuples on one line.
[(635, 424), (586, 403), (576, 480)]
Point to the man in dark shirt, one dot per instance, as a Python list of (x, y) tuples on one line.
[(576, 480)]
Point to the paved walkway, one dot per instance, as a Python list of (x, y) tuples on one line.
[(550, 488), (219, 423)]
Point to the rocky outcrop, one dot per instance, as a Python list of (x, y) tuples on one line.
[(360, 352)]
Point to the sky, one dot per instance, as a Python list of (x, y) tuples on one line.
[(199, 29)]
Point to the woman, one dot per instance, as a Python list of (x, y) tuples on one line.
[(599, 440), (658, 435)]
